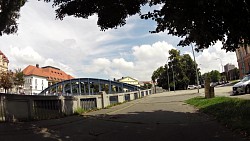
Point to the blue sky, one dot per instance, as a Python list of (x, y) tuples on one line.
[(78, 47)]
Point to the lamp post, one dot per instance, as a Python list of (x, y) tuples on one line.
[(197, 77), (221, 64), (173, 74)]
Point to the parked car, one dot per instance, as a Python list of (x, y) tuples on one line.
[(190, 87), (243, 86), (199, 86)]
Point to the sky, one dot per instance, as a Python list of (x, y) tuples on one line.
[(78, 47)]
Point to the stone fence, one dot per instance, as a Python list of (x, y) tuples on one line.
[(29, 107)]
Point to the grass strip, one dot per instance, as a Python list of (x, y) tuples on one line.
[(232, 112)]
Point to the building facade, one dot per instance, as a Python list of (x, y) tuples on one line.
[(228, 67), (243, 59), (129, 80), (37, 79), (4, 62)]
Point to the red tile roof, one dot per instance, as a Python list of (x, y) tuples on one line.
[(52, 73)]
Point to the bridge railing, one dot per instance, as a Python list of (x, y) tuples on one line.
[(29, 107)]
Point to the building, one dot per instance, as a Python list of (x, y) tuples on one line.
[(129, 80), (4, 62), (37, 79), (231, 73), (228, 67), (243, 59)]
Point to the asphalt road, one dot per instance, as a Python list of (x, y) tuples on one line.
[(156, 117)]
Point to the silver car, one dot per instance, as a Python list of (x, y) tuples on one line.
[(243, 86)]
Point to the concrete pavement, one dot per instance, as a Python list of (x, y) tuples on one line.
[(154, 118)]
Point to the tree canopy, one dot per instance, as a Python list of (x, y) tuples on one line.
[(178, 73), (9, 13), (202, 22)]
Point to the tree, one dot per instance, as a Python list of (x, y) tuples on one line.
[(9, 13), (18, 78), (215, 76), (157, 73), (179, 71), (6, 80), (202, 22)]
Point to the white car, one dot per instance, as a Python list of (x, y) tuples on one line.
[(190, 87), (243, 86)]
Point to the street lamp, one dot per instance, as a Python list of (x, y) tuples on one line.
[(197, 77), (221, 64), (173, 73)]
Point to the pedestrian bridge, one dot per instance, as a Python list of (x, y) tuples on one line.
[(88, 86)]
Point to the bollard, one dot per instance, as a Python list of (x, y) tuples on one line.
[(209, 91)]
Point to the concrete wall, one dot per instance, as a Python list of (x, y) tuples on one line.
[(30, 107)]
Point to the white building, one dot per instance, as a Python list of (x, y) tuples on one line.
[(129, 80), (34, 84)]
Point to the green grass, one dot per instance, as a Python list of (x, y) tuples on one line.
[(80, 111), (232, 112)]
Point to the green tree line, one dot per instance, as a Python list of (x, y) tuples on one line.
[(180, 71)]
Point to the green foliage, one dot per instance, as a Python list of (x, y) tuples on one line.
[(179, 72), (147, 86), (157, 73), (202, 22), (233, 112), (19, 77), (215, 76), (80, 111), (6, 80), (9, 13)]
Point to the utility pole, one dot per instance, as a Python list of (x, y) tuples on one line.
[(168, 78), (173, 74)]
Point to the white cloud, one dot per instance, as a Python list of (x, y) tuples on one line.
[(147, 58), (122, 64), (25, 55), (214, 58)]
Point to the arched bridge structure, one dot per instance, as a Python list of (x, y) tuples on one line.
[(88, 86)]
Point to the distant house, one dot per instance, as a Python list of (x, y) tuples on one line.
[(146, 84), (4, 62), (129, 80), (37, 79)]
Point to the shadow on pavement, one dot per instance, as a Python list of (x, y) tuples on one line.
[(150, 126)]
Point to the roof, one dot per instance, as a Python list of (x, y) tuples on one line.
[(127, 77), (32, 70), (4, 57), (52, 73)]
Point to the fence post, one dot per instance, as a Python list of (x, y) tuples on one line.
[(105, 100), (31, 109)]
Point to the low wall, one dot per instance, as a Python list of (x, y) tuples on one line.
[(29, 107)]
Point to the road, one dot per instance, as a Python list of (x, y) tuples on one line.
[(154, 118)]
